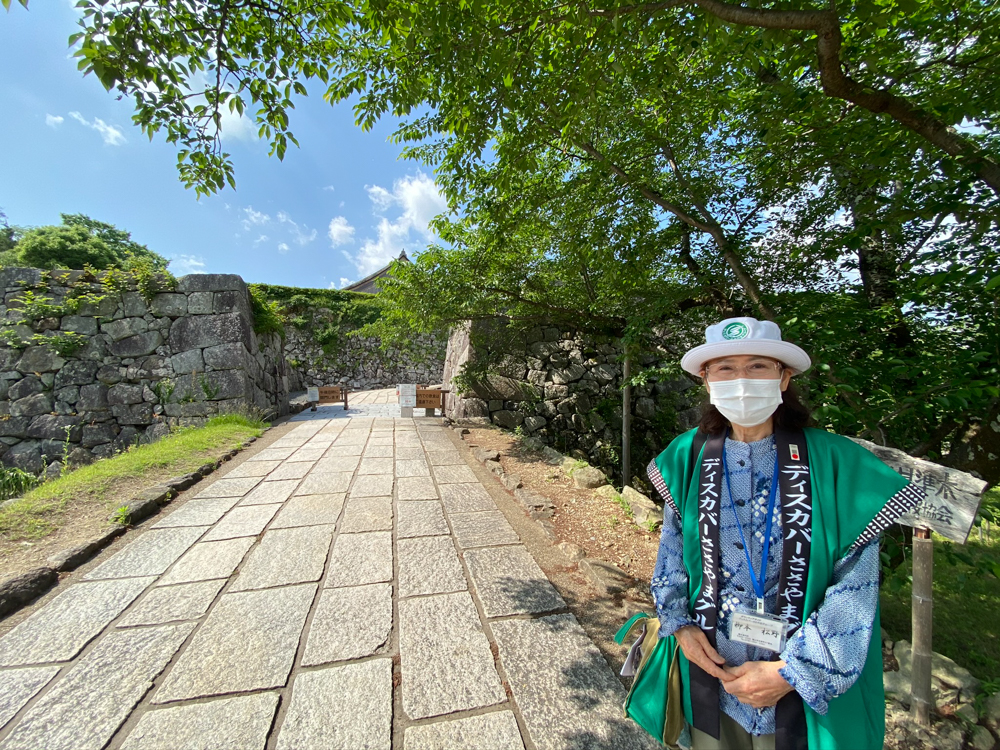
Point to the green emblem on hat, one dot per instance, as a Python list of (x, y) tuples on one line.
[(735, 331)]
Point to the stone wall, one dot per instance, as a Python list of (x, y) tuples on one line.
[(359, 361), (89, 366), (565, 389)]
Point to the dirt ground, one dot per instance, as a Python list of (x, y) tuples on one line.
[(582, 517)]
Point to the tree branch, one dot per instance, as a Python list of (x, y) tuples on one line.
[(838, 85), (746, 281)]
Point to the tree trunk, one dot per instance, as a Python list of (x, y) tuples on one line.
[(627, 421), (977, 447)]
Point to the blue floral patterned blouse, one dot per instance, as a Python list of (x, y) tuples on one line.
[(826, 655)]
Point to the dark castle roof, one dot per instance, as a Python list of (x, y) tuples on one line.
[(367, 284)]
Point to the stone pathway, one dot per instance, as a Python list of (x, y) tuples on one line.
[(382, 403), (352, 585)]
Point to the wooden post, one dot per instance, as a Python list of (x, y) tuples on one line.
[(923, 610), (626, 421)]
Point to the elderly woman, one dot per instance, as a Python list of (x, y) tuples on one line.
[(768, 566)]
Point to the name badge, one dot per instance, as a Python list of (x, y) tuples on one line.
[(759, 630)]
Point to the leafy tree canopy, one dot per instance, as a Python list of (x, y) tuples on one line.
[(78, 242), (832, 166)]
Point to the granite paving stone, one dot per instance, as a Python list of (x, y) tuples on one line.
[(352, 437), (149, 555), (409, 454), (186, 601), (349, 623), (407, 439), (253, 469), (437, 443), (412, 467), (454, 474), (429, 565), (445, 458), (564, 687), (248, 642), (18, 686), (208, 560), (243, 520), (368, 514), (289, 441), (446, 660), (416, 488), (240, 723), (286, 556), (420, 518), (492, 731), (378, 451), (373, 485), (307, 454), (310, 510), (230, 487), (343, 706), (197, 513), (358, 559), (353, 449), (482, 529), (466, 498), (324, 484), (87, 705), (271, 492), (274, 454), (288, 471), (336, 465), (509, 582), (375, 466), (374, 440)]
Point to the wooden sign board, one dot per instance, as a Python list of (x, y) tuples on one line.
[(429, 399), (330, 394), (952, 496)]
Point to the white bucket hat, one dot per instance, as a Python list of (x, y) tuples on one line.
[(745, 336)]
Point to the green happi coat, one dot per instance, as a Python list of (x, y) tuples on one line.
[(854, 498)]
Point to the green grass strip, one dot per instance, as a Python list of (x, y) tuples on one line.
[(38, 513)]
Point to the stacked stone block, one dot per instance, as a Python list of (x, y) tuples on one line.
[(565, 389), (360, 363), (141, 365)]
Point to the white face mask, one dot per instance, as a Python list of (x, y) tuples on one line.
[(747, 402)]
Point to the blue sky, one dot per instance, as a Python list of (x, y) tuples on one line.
[(336, 209)]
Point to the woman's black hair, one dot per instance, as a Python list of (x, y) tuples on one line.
[(792, 414)]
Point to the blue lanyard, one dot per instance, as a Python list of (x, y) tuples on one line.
[(758, 583)]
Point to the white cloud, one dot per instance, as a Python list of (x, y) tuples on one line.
[(340, 232), (236, 127), (283, 248), (381, 197), (339, 285), (53, 121), (331, 188), (419, 200), (301, 234), (185, 264), (254, 218), (259, 240), (112, 136), (344, 282)]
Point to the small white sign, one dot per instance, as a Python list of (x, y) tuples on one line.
[(762, 631), (407, 389), (312, 394), (410, 401)]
